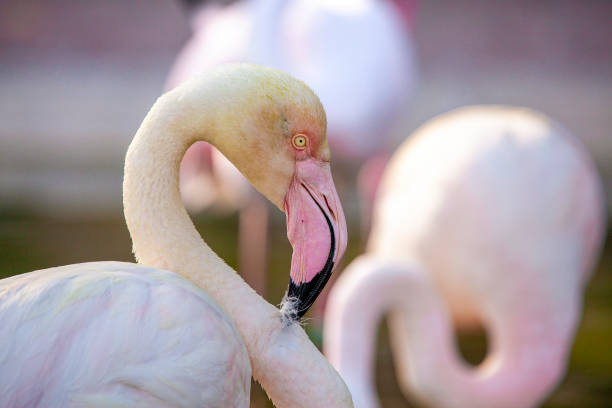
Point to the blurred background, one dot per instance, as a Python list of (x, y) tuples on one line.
[(77, 78)]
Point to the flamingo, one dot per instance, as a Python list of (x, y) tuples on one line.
[(119, 334), (487, 214), (358, 56)]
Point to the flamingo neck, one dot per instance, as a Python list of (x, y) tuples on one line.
[(349, 333), (523, 365), (164, 237), (162, 233)]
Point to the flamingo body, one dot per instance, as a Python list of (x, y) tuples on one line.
[(486, 215), (117, 334), (504, 186)]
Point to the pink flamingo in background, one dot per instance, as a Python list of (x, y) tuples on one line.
[(358, 57), (490, 215)]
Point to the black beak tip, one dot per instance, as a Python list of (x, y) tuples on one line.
[(299, 298)]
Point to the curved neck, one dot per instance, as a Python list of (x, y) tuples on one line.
[(162, 233), (523, 365), (164, 237), (349, 332)]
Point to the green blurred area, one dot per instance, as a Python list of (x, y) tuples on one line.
[(29, 242)]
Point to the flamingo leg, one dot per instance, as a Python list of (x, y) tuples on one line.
[(253, 244)]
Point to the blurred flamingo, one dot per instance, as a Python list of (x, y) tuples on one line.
[(490, 215), (357, 55), (116, 334)]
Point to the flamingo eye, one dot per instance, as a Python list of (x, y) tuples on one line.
[(299, 141)]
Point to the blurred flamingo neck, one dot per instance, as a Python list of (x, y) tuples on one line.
[(350, 328), (365, 292), (422, 338)]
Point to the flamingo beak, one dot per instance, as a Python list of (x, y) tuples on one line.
[(316, 229)]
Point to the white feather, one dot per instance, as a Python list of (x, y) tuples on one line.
[(116, 334)]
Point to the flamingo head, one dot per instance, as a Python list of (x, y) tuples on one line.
[(281, 147)]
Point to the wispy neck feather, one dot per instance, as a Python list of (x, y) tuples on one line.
[(284, 361), (523, 365)]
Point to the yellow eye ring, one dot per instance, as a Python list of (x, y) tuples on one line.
[(299, 141)]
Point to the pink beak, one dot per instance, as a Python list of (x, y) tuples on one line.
[(316, 229)]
